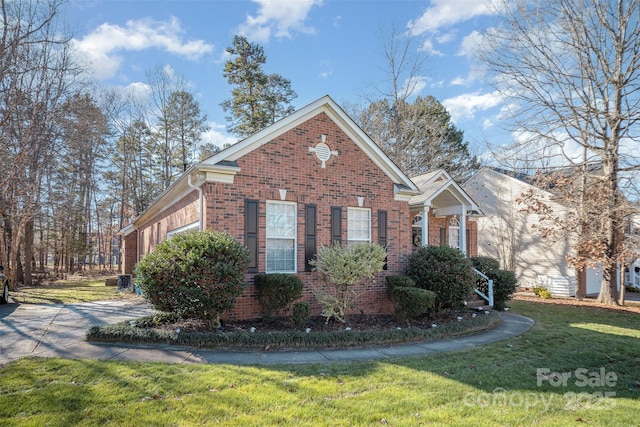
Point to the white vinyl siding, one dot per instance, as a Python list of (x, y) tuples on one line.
[(281, 237), (358, 225)]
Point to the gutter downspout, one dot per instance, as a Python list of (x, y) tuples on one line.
[(200, 201)]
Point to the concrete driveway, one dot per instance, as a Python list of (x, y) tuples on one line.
[(57, 330)]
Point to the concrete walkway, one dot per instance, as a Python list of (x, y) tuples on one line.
[(59, 330)]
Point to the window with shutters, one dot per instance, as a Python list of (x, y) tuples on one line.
[(281, 237), (358, 225)]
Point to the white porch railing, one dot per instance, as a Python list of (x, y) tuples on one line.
[(488, 298)]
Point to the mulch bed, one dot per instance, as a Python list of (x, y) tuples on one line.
[(318, 324)]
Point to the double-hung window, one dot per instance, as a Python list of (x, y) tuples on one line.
[(359, 225), (281, 237)]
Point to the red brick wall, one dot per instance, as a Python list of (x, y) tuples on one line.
[(129, 252), (287, 164), (180, 214)]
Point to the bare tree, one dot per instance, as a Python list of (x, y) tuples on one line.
[(571, 68), (36, 72)]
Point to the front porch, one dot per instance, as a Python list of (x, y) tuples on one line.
[(444, 214)]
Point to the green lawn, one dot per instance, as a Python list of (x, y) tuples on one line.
[(492, 385), (70, 292)]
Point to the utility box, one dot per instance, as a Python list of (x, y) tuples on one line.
[(124, 282)]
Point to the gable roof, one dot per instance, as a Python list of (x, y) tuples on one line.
[(337, 115), (221, 167), (434, 183)]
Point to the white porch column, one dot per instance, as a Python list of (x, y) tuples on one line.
[(425, 226), (463, 230)]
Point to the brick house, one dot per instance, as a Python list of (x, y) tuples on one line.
[(310, 179)]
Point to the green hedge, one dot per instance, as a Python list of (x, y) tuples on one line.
[(124, 332), (505, 283), (445, 271), (276, 291), (194, 274), (412, 302)]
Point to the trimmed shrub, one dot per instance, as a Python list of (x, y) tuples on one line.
[(505, 285), (344, 267), (485, 263), (412, 302), (543, 293), (301, 313), (505, 282), (276, 292), (194, 274), (399, 281), (445, 271)]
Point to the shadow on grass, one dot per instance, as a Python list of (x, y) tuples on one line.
[(487, 385), (579, 350)]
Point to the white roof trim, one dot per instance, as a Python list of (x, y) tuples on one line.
[(447, 184), (345, 123)]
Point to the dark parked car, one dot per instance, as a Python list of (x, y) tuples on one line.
[(4, 283)]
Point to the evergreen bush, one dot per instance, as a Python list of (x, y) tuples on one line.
[(412, 302), (505, 282), (301, 313), (397, 281), (194, 274), (485, 263), (276, 291), (445, 271)]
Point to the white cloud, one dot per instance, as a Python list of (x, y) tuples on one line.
[(470, 44), (413, 86), (427, 46), (101, 47), (216, 135), (446, 38), (279, 18), (466, 105), (326, 74), (138, 90), (459, 81), (443, 13)]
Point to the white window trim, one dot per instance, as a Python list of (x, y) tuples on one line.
[(350, 239), (295, 237), (194, 226)]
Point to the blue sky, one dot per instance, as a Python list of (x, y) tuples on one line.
[(324, 47)]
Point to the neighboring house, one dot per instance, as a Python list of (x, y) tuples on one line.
[(308, 180), (506, 233)]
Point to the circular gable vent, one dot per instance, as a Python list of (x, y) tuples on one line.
[(323, 152)]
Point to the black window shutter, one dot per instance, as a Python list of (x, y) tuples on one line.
[(382, 231), (336, 225), (251, 233), (309, 235), (443, 236), (468, 242)]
